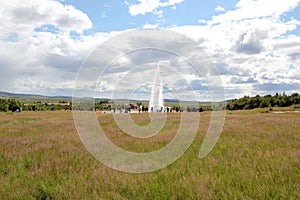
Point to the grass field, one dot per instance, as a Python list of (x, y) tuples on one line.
[(256, 157)]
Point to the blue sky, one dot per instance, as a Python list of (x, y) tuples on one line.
[(115, 15), (253, 43)]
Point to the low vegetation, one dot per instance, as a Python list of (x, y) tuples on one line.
[(256, 157), (269, 101), (15, 105)]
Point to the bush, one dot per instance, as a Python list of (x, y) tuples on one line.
[(296, 106), (247, 102)]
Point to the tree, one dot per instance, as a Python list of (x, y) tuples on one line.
[(4, 105), (247, 102), (13, 105)]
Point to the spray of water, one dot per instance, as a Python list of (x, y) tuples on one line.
[(156, 103)]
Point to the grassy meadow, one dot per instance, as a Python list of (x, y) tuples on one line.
[(256, 157)]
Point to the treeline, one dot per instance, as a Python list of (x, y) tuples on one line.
[(103, 105), (14, 105), (10, 105), (277, 100)]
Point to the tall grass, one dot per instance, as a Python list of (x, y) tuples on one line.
[(256, 157)]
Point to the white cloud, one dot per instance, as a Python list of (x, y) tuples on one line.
[(219, 9), (103, 15), (249, 9), (145, 6), (42, 87), (126, 3), (150, 26), (40, 60), (202, 21), (239, 41), (25, 16)]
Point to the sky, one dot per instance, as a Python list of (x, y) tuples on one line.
[(255, 44)]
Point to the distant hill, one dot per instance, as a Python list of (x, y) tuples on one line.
[(39, 96), (171, 100), (7, 94), (20, 95)]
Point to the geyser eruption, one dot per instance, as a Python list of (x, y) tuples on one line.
[(156, 103)]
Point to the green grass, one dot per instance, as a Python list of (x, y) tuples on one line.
[(256, 157), (16, 122)]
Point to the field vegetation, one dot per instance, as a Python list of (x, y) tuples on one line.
[(256, 157), (278, 100)]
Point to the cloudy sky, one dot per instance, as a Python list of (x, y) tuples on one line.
[(255, 44)]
